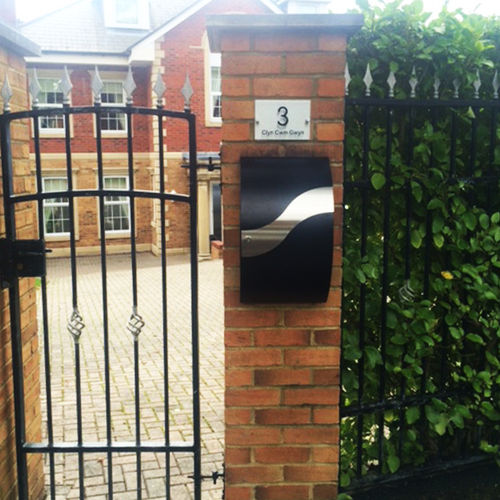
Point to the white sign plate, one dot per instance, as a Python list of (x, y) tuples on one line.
[(281, 120)]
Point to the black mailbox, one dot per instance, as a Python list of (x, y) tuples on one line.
[(286, 229)]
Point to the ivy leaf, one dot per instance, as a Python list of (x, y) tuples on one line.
[(440, 427), (412, 415), (473, 337), (378, 180), (438, 240), (393, 463), (470, 221), (416, 239)]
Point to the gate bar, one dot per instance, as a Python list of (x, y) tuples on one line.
[(15, 309)]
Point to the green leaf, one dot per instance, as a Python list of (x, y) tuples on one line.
[(470, 221), (438, 240), (393, 463), (416, 239), (484, 220), (473, 337), (412, 415), (378, 180), (360, 275)]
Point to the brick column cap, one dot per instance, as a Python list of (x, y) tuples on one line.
[(13, 40), (270, 23)]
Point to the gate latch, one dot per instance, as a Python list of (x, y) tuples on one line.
[(21, 259)]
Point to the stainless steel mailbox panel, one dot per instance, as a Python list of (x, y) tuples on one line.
[(286, 229)]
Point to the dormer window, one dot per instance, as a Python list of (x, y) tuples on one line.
[(132, 14)]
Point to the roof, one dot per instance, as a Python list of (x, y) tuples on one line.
[(13, 40), (80, 27)]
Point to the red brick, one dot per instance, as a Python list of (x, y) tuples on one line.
[(334, 43), (311, 435), (311, 473), (282, 337), (252, 318), (283, 416), (327, 337), (327, 454), (330, 132), (235, 87), (238, 378), (252, 436), (282, 376), (254, 357), (238, 110), (238, 416), (252, 397), (282, 87), (238, 492), (313, 356), (237, 456), (248, 64), (326, 415), (327, 109), (312, 317), (236, 132), (331, 87), (326, 377), (238, 338), (282, 492), (254, 474), (311, 396), (325, 491), (315, 64), (281, 454)]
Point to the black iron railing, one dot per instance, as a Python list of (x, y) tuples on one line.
[(404, 157)]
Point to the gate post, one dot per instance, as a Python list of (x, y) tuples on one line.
[(282, 361), (13, 47)]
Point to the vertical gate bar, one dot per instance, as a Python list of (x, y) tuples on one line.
[(166, 398), (15, 313), (427, 265), (493, 128), (473, 146), (133, 253), (45, 316), (364, 191), (193, 197), (407, 275), (69, 173), (104, 284), (385, 281), (453, 148)]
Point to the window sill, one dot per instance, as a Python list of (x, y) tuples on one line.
[(117, 235)]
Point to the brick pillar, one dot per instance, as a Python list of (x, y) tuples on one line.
[(12, 48), (282, 362)]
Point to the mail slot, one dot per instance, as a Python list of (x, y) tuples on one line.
[(286, 223)]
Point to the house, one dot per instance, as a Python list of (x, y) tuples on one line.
[(147, 37)]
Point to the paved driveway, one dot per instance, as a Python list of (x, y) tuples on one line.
[(122, 373)]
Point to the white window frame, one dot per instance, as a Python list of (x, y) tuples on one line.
[(51, 203), (112, 21), (41, 105), (124, 201), (214, 61), (120, 104)]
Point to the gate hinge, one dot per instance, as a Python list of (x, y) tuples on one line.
[(215, 476), (21, 259)]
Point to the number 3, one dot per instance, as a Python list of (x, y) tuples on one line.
[(283, 116)]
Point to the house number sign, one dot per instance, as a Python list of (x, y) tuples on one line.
[(279, 120)]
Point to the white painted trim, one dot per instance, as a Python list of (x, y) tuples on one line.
[(78, 59), (170, 25)]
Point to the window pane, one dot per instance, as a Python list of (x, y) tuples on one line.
[(127, 12), (50, 95), (113, 94), (56, 210), (116, 208)]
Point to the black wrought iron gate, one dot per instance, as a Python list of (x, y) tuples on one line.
[(30, 254)]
